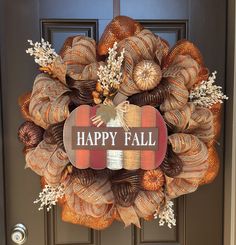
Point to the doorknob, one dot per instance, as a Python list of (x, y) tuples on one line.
[(19, 234)]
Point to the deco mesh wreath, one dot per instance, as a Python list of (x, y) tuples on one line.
[(130, 80)]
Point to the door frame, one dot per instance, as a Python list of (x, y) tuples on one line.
[(230, 131), (3, 237)]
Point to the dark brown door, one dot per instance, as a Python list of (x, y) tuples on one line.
[(199, 215)]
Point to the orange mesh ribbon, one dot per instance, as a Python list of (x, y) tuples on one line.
[(183, 67), (118, 29), (24, 101), (90, 205), (97, 202), (213, 166), (97, 193)]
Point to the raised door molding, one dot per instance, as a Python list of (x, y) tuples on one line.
[(171, 30), (58, 232), (230, 131), (56, 30)]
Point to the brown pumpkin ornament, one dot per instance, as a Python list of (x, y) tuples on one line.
[(85, 176), (66, 45), (57, 134), (125, 186), (154, 97), (153, 180)]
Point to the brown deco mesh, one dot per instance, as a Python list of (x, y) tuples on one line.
[(24, 101), (172, 164), (85, 176), (54, 135), (125, 186), (81, 92), (119, 28), (183, 47)]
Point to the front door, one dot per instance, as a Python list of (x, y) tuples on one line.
[(199, 215)]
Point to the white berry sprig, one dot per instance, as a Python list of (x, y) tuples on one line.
[(43, 53), (166, 215), (110, 75), (49, 196), (207, 94)]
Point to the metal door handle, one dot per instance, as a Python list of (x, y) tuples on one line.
[(19, 234)]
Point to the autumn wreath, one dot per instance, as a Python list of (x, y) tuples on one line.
[(130, 80)]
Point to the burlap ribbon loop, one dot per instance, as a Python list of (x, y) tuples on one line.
[(47, 160), (49, 102), (191, 119), (181, 75), (194, 154)]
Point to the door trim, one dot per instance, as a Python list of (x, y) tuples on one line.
[(116, 8), (3, 238), (2, 185), (87, 27), (230, 130)]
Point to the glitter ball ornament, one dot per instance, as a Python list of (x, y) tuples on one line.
[(147, 75)]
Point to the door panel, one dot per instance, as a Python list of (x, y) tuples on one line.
[(56, 31), (78, 9), (170, 30), (152, 9), (199, 215)]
